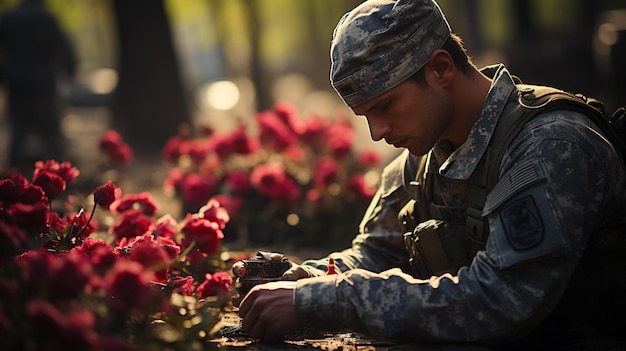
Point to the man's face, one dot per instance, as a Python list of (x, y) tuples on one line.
[(410, 115)]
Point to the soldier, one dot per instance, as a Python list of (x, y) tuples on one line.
[(35, 56), (524, 249)]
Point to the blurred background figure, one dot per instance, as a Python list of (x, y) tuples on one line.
[(35, 58)]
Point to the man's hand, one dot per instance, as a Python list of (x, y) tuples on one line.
[(298, 272), (268, 312)]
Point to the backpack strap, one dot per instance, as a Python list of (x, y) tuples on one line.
[(525, 103)]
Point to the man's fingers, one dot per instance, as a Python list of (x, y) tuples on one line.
[(296, 272), (263, 326), (257, 331), (248, 323), (246, 303)]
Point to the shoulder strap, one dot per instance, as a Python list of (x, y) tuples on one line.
[(525, 103)]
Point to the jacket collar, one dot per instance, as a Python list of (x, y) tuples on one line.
[(462, 162)]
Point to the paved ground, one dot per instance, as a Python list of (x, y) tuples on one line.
[(313, 340)]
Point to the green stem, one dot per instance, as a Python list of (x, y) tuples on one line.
[(88, 221), (70, 233), (187, 250)]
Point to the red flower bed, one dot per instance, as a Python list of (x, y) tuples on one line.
[(129, 277), (69, 282), (281, 175)]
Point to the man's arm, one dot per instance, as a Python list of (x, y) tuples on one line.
[(538, 235)]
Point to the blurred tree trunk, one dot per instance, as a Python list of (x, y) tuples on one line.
[(149, 103), (321, 18), (262, 85)]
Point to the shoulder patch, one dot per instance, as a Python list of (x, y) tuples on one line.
[(522, 223), (522, 176)]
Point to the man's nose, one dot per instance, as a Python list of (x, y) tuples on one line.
[(378, 130)]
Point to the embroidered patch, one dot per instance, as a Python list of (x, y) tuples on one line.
[(522, 223)]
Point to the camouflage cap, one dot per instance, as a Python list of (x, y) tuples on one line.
[(380, 43)]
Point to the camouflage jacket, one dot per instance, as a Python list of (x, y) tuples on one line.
[(509, 290)]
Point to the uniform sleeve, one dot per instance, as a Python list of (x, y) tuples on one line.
[(379, 245), (540, 216)]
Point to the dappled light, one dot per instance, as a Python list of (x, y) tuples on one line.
[(154, 153), (222, 95)]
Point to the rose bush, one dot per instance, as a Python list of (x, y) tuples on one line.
[(129, 277), (283, 179), (69, 282)]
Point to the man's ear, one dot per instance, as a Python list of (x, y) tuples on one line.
[(441, 67)]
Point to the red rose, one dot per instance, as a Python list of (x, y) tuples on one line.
[(264, 176), (123, 154), (369, 158), (196, 189), (51, 183), (181, 285), (171, 151), (166, 226), (215, 213), (68, 276), (75, 331), (241, 143), (8, 191), (143, 201), (133, 223), (314, 129), (340, 137), (35, 268), (100, 254), (67, 171), (271, 180), (79, 224), (325, 172), (222, 145), (56, 222), (17, 178), (198, 151), (207, 234), (231, 204), (89, 245), (296, 153), (287, 112), (32, 194), (106, 194), (13, 241), (109, 139), (216, 284), (238, 181), (274, 131), (153, 255), (29, 216), (112, 145), (195, 258), (64, 170), (173, 179), (127, 285), (313, 195), (286, 191), (357, 185)]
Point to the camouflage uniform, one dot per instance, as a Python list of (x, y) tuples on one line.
[(518, 286)]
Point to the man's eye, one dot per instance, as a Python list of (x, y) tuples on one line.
[(384, 106)]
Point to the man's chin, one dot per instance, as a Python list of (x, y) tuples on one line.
[(417, 152)]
